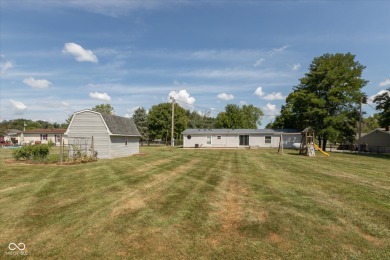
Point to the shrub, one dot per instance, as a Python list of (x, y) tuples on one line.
[(23, 153), (40, 152), (35, 152)]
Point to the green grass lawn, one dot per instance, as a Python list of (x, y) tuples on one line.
[(187, 204)]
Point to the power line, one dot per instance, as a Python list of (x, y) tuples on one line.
[(372, 107)]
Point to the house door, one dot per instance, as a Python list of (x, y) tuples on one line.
[(244, 140), (208, 140)]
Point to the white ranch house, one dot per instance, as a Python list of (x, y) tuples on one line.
[(236, 138), (43, 136), (113, 136)]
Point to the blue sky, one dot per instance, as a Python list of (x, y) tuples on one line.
[(60, 56)]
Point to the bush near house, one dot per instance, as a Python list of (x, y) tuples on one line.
[(32, 152)]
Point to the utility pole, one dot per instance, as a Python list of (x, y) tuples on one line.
[(360, 123), (173, 122)]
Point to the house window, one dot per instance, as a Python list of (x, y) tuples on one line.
[(268, 139), (43, 137), (126, 140), (219, 137), (244, 139), (188, 137)]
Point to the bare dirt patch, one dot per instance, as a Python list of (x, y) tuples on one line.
[(274, 238), (374, 240)]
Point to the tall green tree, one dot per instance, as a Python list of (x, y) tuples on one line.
[(251, 116), (327, 98), (104, 108), (383, 105), (159, 121), (235, 117), (140, 119), (370, 123), (286, 119), (200, 121)]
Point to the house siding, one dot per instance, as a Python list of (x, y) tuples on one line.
[(88, 124), (120, 149), (377, 141), (32, 138), (233, 140)]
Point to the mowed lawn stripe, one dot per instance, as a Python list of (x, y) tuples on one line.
[(323, 201), (187, 204)]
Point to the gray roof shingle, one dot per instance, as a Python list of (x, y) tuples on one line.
[(120, 125)]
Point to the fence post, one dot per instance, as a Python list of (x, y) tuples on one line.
[(92, 148), (61, 150)]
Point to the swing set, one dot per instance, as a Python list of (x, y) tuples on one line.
[(307, 146)]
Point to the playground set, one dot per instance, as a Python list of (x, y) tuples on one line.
[(307, 146)]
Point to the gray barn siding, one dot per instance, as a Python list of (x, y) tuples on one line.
[(88, 124), (119, 147)]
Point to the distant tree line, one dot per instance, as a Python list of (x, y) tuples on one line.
[(27, 124), (157, 122)]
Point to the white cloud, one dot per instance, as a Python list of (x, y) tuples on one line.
[(243, 102), (37, 83), (274, 96), (235, 74), (371, 99), (258, 62), (220, 54), (225, 96), (79, 52), (385, 83), (270, 110), (278, 50), (259, 92), (65, 104), (296, 67), (186, 100), (131, 111), (101, 96), (4, 66), (18, 106)]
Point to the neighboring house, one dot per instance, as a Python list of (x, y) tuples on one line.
[(236, 138), (377, 141), (113, 136), (43, 136), (11, 136)]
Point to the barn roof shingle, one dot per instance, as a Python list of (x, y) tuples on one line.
[(120, 125)]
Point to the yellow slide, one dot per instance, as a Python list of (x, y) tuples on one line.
[(319, 149)]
